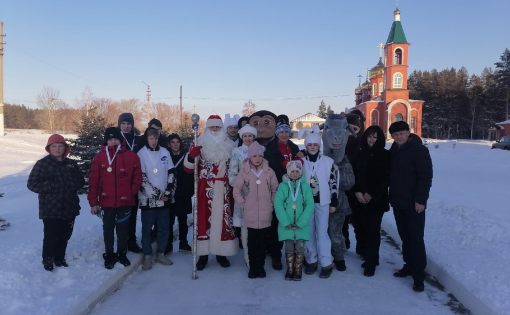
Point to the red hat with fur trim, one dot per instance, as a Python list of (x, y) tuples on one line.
[(214, 121), (56, 138)]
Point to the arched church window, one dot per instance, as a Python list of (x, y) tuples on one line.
[(398, 117), (397, 80), (397, 58), (375, 118)]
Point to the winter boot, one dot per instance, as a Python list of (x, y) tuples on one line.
[(298, 267), (310, 269), (133, 247), (48, 263), (369, 270), (291, 258), (402, 273), (61, 263), (184, 247), (169, 248), (109, 260), (162, 259), (223, 261), (147, 262), (202, 262), (326, 271), (276, 262), (340, 265), (123, 259), (418, 286)]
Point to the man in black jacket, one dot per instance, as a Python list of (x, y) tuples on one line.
[(410, 182)]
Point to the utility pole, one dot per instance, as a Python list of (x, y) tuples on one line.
[(2, 35), (180, 101), (148, 94)]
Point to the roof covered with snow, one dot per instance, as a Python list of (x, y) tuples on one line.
[(506, 122), (309, 117)]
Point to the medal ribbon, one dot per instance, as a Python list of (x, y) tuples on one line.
[(151, 158), (257, 173), (110, 161), (132, 145), (294, 194)]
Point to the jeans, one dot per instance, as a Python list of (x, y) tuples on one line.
[(161, 217)]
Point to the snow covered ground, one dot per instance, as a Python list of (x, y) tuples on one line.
[(465, 234)]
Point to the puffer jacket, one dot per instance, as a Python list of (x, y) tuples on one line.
[(256, 200), (301, 216), (57, 183), (117, 188)]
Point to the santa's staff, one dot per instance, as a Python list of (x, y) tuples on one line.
[(195, 118)]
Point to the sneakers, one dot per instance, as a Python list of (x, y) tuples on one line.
[(122, 258), (223, 261), (48, 264), (402, 273), (109, 260), (326, 271), (147, 262), (184, 247), (418, 286), (202, 262), (310, 269), (133, 247), (162, 259), (61, 263), (340, 265)]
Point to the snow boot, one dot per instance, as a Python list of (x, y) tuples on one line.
[(223, 261), (48, 263), (402, 273), (310, 269), (369, 270), (326, 271), (147, 262), (123, 259), (162, 259), (340, 265), (418, 286), (202, 262), (184, 247), (298, 267), (61, 263), (109, 260), (276, 263), (289, 275)]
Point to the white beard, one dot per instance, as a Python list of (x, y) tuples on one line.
[(216, 147)]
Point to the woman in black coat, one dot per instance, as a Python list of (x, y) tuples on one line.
[(372, 170), (57, 180), (184, 191)]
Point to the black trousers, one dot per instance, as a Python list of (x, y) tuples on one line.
[(411, 226), (116, 220), (258, 239), (369, 222), (56, 235), (274, 246), (182, 219), (132, 225)]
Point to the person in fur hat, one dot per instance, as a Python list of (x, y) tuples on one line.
[(216, 234), (293, 204), (56, 179)]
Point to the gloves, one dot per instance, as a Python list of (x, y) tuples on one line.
[(194, 151)]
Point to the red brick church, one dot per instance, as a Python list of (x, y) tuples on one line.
[(384, 97)]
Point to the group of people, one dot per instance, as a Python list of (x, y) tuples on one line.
[(256, 191)]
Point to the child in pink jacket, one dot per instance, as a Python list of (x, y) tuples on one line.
[(254, 191)]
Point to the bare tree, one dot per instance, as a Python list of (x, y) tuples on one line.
[(49, 100), (248, 108)]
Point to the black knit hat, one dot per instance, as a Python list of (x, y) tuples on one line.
[(126, 117), (112, 132), (174, 136), (155, 121), (240, 121), (398, 126)]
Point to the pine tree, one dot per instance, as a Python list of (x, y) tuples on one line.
[(89, 140), (503, 77), (322, 112)]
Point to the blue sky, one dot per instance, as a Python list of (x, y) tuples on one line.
[(285, 55)]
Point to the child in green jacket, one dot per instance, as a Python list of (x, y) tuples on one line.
[(294, 208)]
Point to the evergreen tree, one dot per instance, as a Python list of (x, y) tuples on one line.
[(90, 137), (322, 112), (503, 78), (329, 111)]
